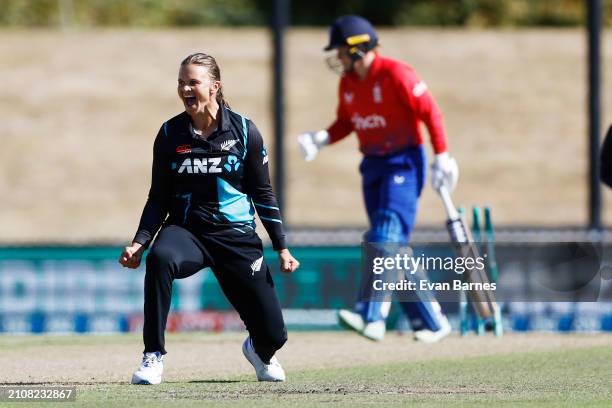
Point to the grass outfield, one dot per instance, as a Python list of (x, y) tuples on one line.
[(526, 370), (562, 378)]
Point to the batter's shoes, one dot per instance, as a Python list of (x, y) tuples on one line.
[(373, 330), (151, 369), (265, 372), (428, 336)]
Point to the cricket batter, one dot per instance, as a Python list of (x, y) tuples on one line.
[(384, 101)]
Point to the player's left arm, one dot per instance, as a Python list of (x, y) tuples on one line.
[(416, 95), (258, 187), (418, 98)]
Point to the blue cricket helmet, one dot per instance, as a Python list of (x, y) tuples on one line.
[(352, 31)]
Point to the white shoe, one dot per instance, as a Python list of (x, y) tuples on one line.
[(265, 372), (373, 331), (351, 320), (428, 336), (151, 369)]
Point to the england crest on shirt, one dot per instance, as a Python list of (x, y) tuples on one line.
[(377, 93)]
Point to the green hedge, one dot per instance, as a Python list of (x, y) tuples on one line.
[(139, 13), (168, 13)]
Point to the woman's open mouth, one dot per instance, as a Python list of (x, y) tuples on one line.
[(190, 101)]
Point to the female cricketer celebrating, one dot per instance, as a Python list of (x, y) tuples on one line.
[(210, 173), (384, 102)]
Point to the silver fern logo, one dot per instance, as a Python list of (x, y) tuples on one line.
[(256, 266), (228, 144)]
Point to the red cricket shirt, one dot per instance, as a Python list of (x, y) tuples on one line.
[(386, 108)]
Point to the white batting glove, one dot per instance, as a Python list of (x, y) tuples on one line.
[(444, 172), (311, 142)]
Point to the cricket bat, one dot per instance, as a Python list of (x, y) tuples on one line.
[(483, 300)]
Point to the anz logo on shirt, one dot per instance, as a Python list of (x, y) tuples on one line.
[(208, 165)]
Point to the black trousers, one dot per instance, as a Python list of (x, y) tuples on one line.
[(236, 259)]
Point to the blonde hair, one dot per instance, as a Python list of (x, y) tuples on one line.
[(209, 62)]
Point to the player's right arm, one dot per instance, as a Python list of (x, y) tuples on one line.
[(157, 205), (311, 142), (342, 126)]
